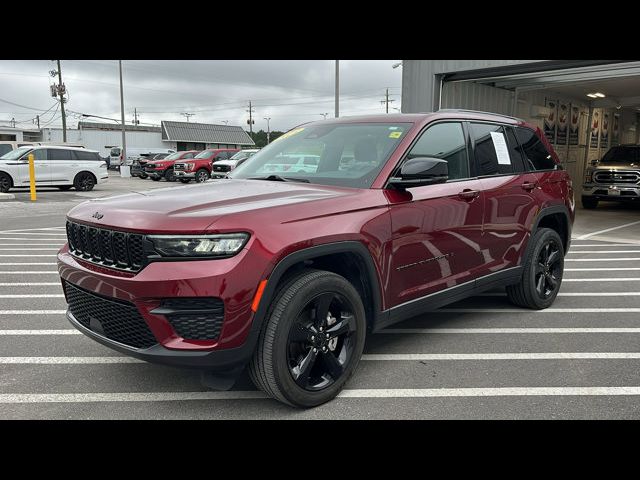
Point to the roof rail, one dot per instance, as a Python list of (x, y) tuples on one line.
[(463, 110)]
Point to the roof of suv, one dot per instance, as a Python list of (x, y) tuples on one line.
[(420, 117), (60, 147)]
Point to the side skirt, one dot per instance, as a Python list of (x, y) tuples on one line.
[(450, 295)]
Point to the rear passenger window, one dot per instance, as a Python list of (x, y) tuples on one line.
[(86, 156), (536, 154), (491, 150), (188, 155), (60, 154), (445, 141)]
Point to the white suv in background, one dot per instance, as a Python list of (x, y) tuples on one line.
[(62, 167)]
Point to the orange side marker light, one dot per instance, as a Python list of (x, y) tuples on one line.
[(256, 299)]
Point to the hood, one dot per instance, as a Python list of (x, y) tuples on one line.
[(194, 208)]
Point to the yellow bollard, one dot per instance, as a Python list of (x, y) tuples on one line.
[(32, 178)]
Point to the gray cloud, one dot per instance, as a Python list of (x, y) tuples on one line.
[(290, 92)]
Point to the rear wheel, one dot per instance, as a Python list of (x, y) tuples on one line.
[(311, 341), (202, 175), (542, 274), (5, 183), (169, 176), (84, 182), (589, 202)]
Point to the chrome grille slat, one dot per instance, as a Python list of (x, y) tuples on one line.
[(617, 176)]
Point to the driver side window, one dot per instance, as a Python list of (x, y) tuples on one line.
[(447, 142)]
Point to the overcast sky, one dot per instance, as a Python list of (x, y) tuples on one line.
[(290, 92)]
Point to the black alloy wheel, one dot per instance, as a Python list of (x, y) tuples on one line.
[(321, 341), (5, 183), (548, 269), (169, 175), (84, 182)]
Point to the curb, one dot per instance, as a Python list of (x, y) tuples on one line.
[(7, 196)]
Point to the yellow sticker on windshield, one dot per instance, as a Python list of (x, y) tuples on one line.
[(290, 133), (395, 134)]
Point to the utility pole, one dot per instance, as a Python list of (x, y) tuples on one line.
[(251, 121), (268, 130), (61, 91), (337, 88), (135, 116), (13, 122), (186, 114), (387, 101), (124, 136), (38, 120)]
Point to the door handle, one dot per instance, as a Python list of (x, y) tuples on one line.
[(468, 194), (528, 186)]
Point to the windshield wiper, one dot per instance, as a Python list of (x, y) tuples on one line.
[(278, 178)]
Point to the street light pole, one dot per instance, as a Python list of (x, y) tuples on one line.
[(337, 88), (268, 130), (124, 136)]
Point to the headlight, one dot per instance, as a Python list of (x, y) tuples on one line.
[(159, 165), (588, 176), (199, 245), (188, 166)]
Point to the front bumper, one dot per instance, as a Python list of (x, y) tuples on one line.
[(184, 174), (154, 173), (226, 279), (600, 191)]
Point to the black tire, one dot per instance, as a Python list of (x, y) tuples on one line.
[(65, 188), (5, 183), (169, 175), (155, 179), (185, 180), (202, 175), (541, 279), (84, 182), (143, 176), (271, 367), (589, 203)]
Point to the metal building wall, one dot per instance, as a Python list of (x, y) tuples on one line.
[(474, 96), (99, 139)]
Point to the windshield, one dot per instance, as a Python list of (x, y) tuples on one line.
[(16, 154), (174, 156), (624, 155), (204, 154), (115, 152), (341, 154)]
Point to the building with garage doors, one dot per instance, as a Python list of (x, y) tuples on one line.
[(584, 106)]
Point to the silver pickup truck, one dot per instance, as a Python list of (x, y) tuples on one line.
[(614, 178)]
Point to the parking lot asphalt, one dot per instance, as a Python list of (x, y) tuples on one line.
[(481, 358)]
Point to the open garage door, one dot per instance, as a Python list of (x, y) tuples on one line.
[(584, 111)]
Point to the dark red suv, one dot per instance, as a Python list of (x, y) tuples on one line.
[(287, 271)]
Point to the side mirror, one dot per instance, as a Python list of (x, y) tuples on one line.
[(421, 171), (594, 162)]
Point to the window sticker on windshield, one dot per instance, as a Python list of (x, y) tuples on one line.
[(395, 134), (393, 128), (502, 152), (290, 133)]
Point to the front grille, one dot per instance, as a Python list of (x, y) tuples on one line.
[(221, 168), (151, 168), (179, 167), (114, 319), (617, 177), (120, 250), (195, 318)]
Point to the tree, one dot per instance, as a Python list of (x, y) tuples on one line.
[(260, 137)]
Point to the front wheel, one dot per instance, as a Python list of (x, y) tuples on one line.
[(311, 341), (542, 274), (589, 203), (169, 176), (84, 182), (202, 175), (5, 183)]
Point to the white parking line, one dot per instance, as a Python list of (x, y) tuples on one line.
[(25, 263), (66, 360), (628, 279), (32, 312), (27, 249), (21, 244), (572, 294), (546, 310), (622, 259), (36, 255), (577, 245), (29, 284), (66, 331), (604, 251), (509, 330), (46, 229), (499, 356), (15, 398), (50, 233), (41, 295), (53, 272), (593, 234)]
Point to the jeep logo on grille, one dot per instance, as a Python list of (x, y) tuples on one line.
[(97, 215)]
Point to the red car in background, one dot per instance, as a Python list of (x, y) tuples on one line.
[(159, 169), (199, 169)]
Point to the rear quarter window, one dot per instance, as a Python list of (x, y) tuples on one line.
[(536, 154), (86, 156)]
